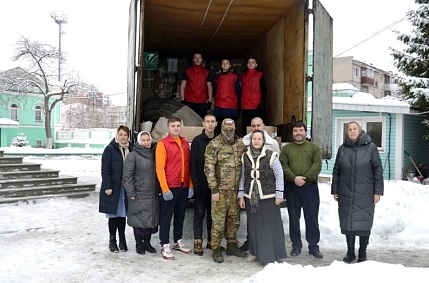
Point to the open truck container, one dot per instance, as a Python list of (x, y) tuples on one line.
[(276, 32)]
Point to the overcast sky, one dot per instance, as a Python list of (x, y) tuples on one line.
[(96, 33)]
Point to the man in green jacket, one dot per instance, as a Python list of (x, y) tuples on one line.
[(302, 161)]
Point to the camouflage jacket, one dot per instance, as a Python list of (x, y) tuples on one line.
[(222, 164)]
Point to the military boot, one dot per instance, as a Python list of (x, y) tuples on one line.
[(217, 255), (233, 249)]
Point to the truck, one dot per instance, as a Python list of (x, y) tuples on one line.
[(281, 34)]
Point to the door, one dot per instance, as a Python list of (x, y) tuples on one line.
[(132, 66), (321, 123)]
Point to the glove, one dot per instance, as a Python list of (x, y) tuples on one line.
[(190, 193), (208, 105), (167, 196), (260, 107)]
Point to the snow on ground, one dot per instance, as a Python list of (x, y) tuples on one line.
[(66, 240)]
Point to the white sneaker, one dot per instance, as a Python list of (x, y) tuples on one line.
[(166, 252), (179, 246)]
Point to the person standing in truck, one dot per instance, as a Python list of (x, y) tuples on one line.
[(226, 89), (196, 87), (253, 93)]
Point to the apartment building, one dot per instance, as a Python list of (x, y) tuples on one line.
[(363, 76)]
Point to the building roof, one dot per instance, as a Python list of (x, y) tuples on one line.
[(362, 101), (8, 123)]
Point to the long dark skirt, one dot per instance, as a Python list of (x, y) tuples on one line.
[(266, 234)]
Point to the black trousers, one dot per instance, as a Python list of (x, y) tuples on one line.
[(199, 108), (306, 198), (202, 207), (246, 118)]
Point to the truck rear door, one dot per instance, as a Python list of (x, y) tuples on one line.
[(321, 122)]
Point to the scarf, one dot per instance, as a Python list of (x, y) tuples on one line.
[(123, 147)]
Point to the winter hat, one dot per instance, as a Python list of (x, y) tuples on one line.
[(139, 135), (228, 123)]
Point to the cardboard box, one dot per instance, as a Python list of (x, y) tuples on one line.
[(272, 131), (189, 133)]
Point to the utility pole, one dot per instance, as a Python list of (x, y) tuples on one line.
[(60, 18)]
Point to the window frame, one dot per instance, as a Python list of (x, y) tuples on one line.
[(39, 109), (14, 112), (339, 131)]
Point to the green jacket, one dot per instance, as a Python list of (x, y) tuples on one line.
[(222, 164), (301, 160)]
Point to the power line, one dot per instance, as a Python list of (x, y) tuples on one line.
[(372, 36)]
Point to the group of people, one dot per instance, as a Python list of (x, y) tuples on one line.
[(233, 95), (148, 184)]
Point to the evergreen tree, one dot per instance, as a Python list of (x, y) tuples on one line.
[(413, 61)]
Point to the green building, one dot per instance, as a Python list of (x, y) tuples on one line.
[(22, 110)]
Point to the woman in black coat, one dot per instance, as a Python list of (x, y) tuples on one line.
[(357, 184), (113, 198), (142, 189)]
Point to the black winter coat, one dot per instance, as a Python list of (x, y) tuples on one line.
[(111, 177), (198, 149), (357, 177), (140, 182)]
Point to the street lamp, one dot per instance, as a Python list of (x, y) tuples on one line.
[(60, 18)]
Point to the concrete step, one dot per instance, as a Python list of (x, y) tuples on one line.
[(36, 182), (11, 160), (36, 197), (47, 190), (19, 167), (43, 173), (1, 152)]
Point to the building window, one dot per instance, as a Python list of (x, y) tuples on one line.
[(373, 126), (14, 112), (356, 72), (38, 114)]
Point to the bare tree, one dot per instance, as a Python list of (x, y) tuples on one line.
[(40, 77)]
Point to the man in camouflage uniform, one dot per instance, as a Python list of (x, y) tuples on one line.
[(222, 167)]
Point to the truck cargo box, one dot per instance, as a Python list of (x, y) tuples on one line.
[(276, 32)]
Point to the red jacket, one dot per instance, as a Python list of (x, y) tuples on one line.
[(196, 84), (226, 95), (174, 169), (251, 89)]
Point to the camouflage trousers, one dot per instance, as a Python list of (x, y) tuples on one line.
[(225, 217)]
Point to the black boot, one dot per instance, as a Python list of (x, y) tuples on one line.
[(147, 245), (122, 243), (350, 256), (112, 244), (363, 242), (139, 244)]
